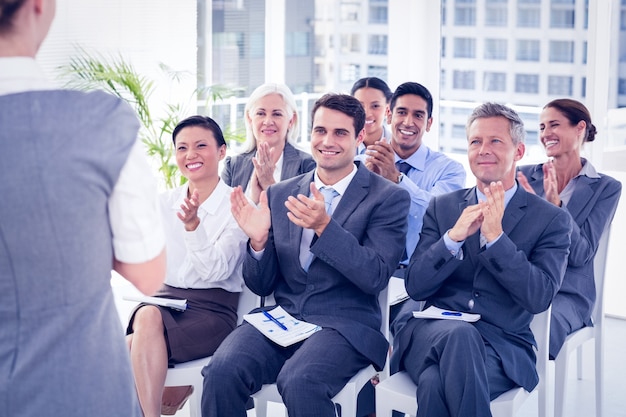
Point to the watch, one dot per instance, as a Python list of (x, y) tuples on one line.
[(400, 177)]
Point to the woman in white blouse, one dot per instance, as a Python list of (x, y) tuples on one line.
[(204, 254)]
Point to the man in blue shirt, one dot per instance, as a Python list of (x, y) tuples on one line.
[(424, 173)]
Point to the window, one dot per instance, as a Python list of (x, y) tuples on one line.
[(464, 48), (496, 13), (350, 72), (297, 44), (350, 42), (257, 45), (621, 86), (528, 50), (527, 83), (378, 12), (463, 80), (465, 13), (562, 51), (377, 71), (458, 131), (349, 12), (495, 49), (494, 81), (559, 85), (562, 14), (528, 14), (584, 52), (377, 45)]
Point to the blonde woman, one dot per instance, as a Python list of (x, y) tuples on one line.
[(271, 127)]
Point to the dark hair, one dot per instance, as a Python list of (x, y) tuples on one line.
[(200, 121), (575, 111), (372, 82), (415, 89), (8, 8), (344, 103)]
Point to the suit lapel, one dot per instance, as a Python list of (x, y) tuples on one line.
[(583, 195), (355, 193), (300, 187), (472, 244), (291, 162), (514, 211)]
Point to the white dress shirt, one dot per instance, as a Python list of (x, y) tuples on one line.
[(210, 256)]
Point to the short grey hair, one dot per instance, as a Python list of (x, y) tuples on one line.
[(490, 109)]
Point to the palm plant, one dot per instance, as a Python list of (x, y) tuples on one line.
[(117, 76)]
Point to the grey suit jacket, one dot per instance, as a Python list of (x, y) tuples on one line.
[(238, 169), (515, 278), (355, 256), (592, 207)]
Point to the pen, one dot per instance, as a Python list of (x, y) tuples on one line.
[(272, 318), (451, 313)]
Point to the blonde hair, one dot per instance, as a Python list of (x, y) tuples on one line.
[(290, 106)]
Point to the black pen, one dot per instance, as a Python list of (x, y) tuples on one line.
[(272, 318)]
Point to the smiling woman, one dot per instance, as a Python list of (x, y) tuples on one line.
[(204, 252), (272, 127)]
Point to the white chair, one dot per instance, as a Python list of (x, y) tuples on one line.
[(576, 340), (189, 373), (347, 397), (398, 391)]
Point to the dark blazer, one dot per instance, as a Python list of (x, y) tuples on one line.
[(238, 169), (355, 256), (592, 207), (515, 278)]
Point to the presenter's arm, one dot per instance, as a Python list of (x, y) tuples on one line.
[(147, 276)]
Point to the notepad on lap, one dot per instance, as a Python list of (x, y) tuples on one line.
[(433, 312), (179, 305), (281, 327)]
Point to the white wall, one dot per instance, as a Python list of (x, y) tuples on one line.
[(144, 32)]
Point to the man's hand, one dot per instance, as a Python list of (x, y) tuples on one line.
[(309, 213), (254, 221), (381, 160), (467, 224), (493, 211)]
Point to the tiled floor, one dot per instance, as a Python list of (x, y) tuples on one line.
[(580, 400)]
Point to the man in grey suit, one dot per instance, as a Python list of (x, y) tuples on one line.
[(494, 250), (322, 268)]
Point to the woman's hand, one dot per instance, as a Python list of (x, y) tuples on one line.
[(189, 214), (264, 165)]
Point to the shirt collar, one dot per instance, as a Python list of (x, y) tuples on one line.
[(418, 159), (508, 194), (588, 169), (340, 186), (20, 74)]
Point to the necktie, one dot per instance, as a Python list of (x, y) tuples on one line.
[(403, 167), (329, 194)]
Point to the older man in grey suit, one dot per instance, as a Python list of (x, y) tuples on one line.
[(322, 269), (495, 250)]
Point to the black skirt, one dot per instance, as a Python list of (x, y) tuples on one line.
[(196, 332)]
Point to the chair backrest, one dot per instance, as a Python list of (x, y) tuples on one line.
[(599, 264), (247, 302), (540, 326)]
